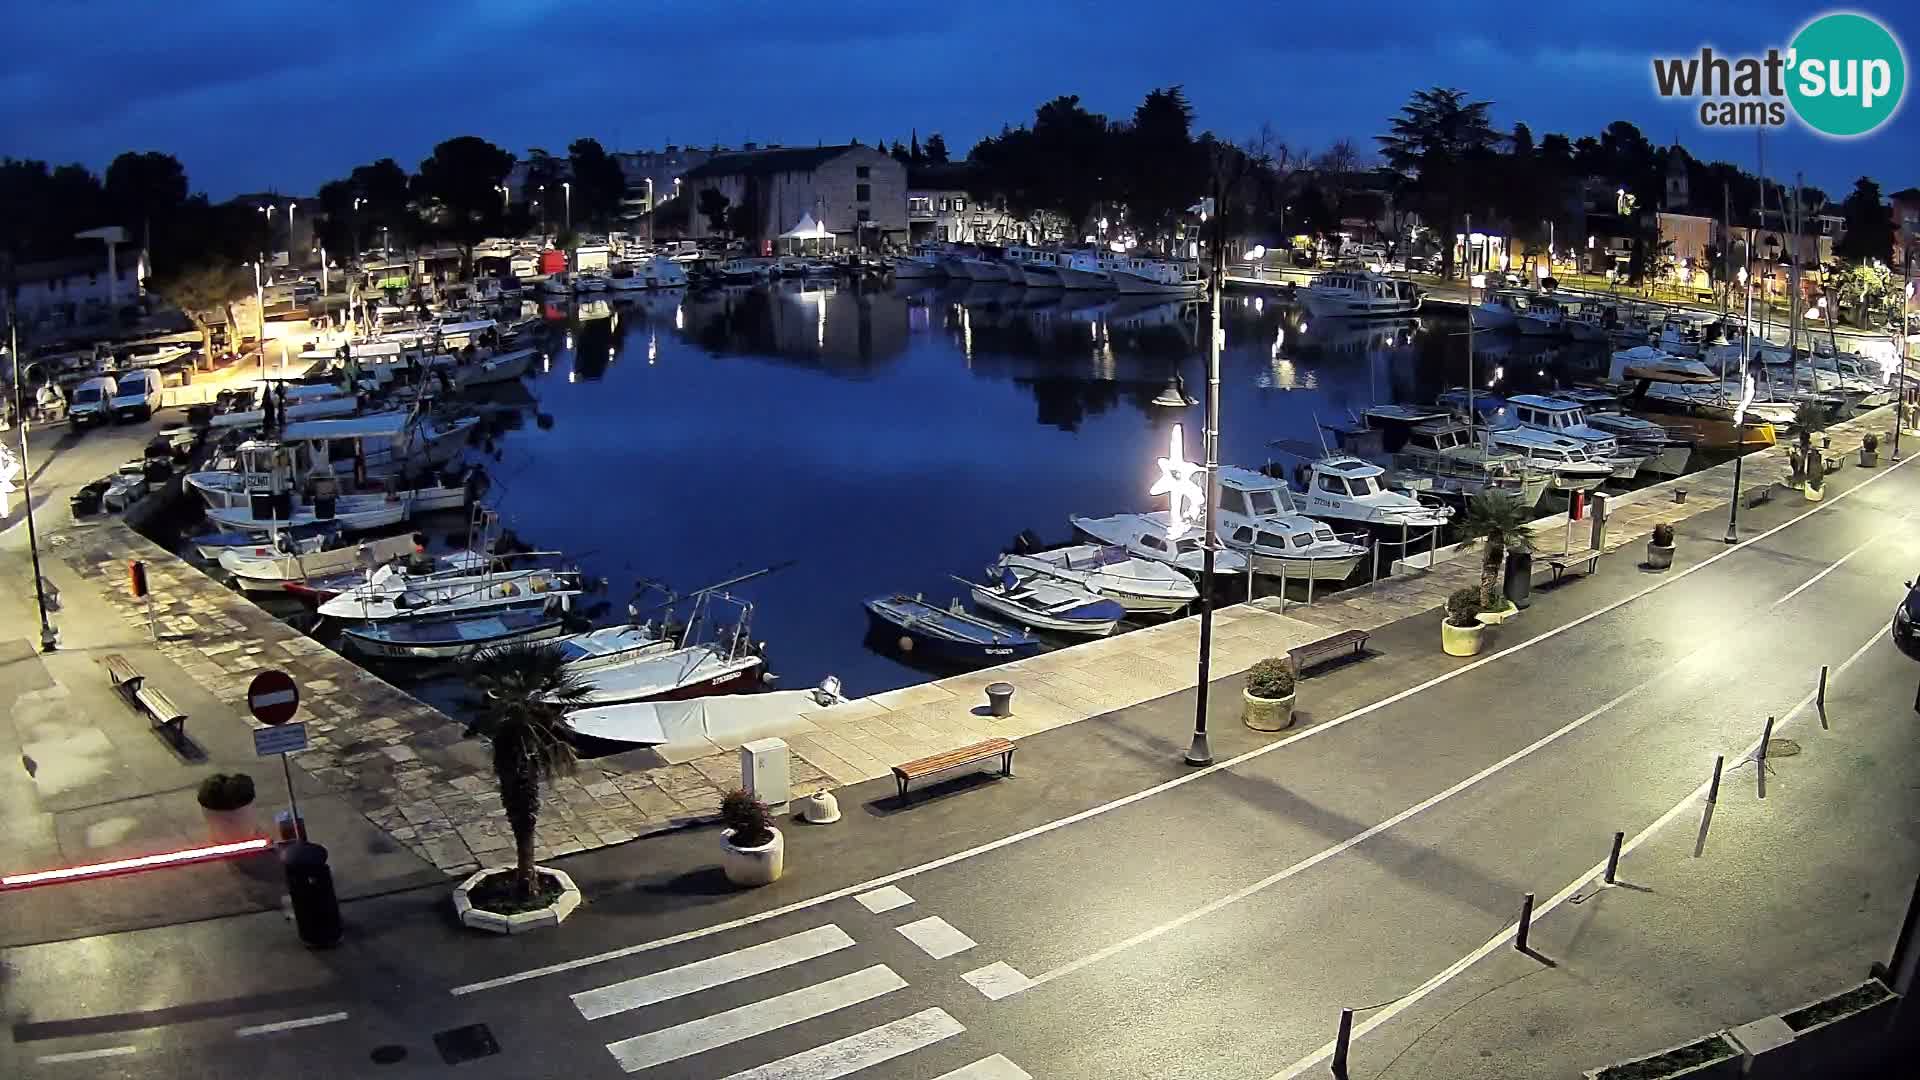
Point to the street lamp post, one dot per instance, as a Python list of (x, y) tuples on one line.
[(1200, 752), (1900, 362), (1740, 411), (566, 188), (649, 213), (290, 207), (260, 304), (49, 637)]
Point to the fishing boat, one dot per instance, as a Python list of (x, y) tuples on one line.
[(378, 444), (318, 589), (1566, 460), (1145, 535), (1428, 451), (707, 724), (609, 645), (263, 542), (948, 635), (453, 638), (1046, 603), (395, 592), (1082, 270), (726, 662), (1141, 586), (1584, 322), (1499, 310), (1557, 416), (272, 573), (505, 367), (922, 262), (1358, 294), (1544, 317), (1035, 267), (1158, 277)]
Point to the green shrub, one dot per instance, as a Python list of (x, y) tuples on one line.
[(226, 791), (748, 817), (1462, 606), (1870, 442), (1663, 535), (1270, 678)]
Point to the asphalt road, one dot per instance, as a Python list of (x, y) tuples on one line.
[(1210, 925)]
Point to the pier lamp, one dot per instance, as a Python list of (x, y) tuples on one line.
[(21, 469)]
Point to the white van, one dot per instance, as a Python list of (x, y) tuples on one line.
[(92, 401), (138, 394)]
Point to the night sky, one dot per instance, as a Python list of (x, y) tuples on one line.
[(256, 96)]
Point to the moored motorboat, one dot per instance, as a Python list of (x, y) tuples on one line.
[(452, 639), (271, 573), (505, 367), (1145, 535), (266, 542), (950, 634), (1047, 603), (1139, 585)]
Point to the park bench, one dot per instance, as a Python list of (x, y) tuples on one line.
[(954, 759), (166, 716), (1314, 651), (1587, 558)]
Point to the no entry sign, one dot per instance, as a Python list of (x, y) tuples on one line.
[(272, 697)]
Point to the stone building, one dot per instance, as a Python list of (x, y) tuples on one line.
[(857, 194)]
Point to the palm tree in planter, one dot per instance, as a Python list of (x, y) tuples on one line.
[(524, 691), (1502, 523)]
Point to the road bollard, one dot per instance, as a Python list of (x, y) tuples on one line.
[(1706, 812), (1340, 1042), (1820, 698), (1526, 923), (1613, 857), (1760, 763)]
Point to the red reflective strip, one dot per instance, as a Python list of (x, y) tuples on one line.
[(137, 863)]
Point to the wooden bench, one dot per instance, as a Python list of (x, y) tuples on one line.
[(1588, 558), (166, 716), (1314, 651), (953, 759)]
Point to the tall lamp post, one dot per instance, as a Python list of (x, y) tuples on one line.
[(49, 637), (260, 304), (1200, 753), (566, 189), (1740, 411), (1900, 360), (649, 213)]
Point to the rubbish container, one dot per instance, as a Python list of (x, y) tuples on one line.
[(1519, 584), (316, 910), (1000, 698)]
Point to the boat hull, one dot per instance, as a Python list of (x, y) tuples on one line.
[(1039, 277), (916, 639), (1298, 569), (450, 649), (1134, 285), (1076, 278), (1341, 306), (988, 599)]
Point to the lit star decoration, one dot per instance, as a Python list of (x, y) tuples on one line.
[(9, 471), (1177, 482)]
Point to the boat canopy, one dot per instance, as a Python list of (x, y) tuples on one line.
[(351, 427)]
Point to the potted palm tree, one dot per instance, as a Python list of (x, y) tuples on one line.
[(227, 800), (1501, 522), (524, 691), (1660, 547), (1268, 704), (1461, 632), (752, 851), (1869, 450)]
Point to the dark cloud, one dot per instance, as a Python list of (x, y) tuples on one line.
[(255, 96)]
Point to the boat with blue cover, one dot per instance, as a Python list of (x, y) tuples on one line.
[(1046, 603), (951, 633)]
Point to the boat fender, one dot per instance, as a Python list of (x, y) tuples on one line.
[(905, 643)]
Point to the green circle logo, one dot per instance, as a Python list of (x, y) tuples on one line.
[(1846, 74)]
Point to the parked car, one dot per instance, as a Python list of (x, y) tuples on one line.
[(1904, 617), (136, 395), (92, 401)]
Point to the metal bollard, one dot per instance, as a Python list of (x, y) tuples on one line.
[(1526, 923), (1820, 698), (1706, 813), (1613, 857), (1340, 1043), (1760, 763)]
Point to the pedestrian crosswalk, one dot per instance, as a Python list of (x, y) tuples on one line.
[(742, 973)]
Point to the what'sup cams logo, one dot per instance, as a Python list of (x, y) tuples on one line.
[(1844, 75)]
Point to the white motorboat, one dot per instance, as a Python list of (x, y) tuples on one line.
[(1566, 460), (609, 645), (1557, 416), (505, 367), (729, 663), (1544, 317), (1290, 546), (704, 725), (1157, 277), (273, 572), (923, 262), (307, 402), (656, 272), (1044, 602), (378, 444), (1145, 535), (264, 488), (1664, 453), (1432, 452), (1499, 310), (1082, 270), (392, 592), (452, 639), (1035, 267), (1347, 488), (1139, 585), (1657, 365), (1358, 294), (1682, 335), (745, 270), (589, 283), (980, 266), (263, 542)]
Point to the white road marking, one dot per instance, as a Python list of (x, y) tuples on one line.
[(711, 972), (1356, 839), (936, 937), (1837, 563), (756, 1018), (856, 1052), (1163, 787), (997, 980), (996, 1067), (884, 899), (89, 1055), (290, 1025), (1598, 869)]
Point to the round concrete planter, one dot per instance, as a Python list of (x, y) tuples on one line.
[(519, 923), (1659, 557), (232, 826), (1462, 640), (1494, 618), (1266, 714), (1869, 458), (753, 866)]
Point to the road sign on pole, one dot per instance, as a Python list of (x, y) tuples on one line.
[(272, 697)]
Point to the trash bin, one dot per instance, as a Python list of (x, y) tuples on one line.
[(1519, 583), (1000, 698), (316, 910)]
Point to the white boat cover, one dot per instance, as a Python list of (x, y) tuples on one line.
[(725, 721)]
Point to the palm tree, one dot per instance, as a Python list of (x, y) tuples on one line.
[(1503, 522), (524, 691)]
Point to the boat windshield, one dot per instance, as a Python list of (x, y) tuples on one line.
[(1189, 546), (1364, 485), (1264, 503)]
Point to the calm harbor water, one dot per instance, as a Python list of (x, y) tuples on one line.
[(885, 438)]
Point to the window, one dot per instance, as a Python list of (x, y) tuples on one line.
[(1243, 536), (1301, 540), (862, 171), (946, 204), (1233, 501), (863, 193), (1153, 543), (1263, 503), (1332, 485), (920, 204), (960, 204), (864, 215)]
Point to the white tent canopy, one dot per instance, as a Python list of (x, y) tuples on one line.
[(808, 229)]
